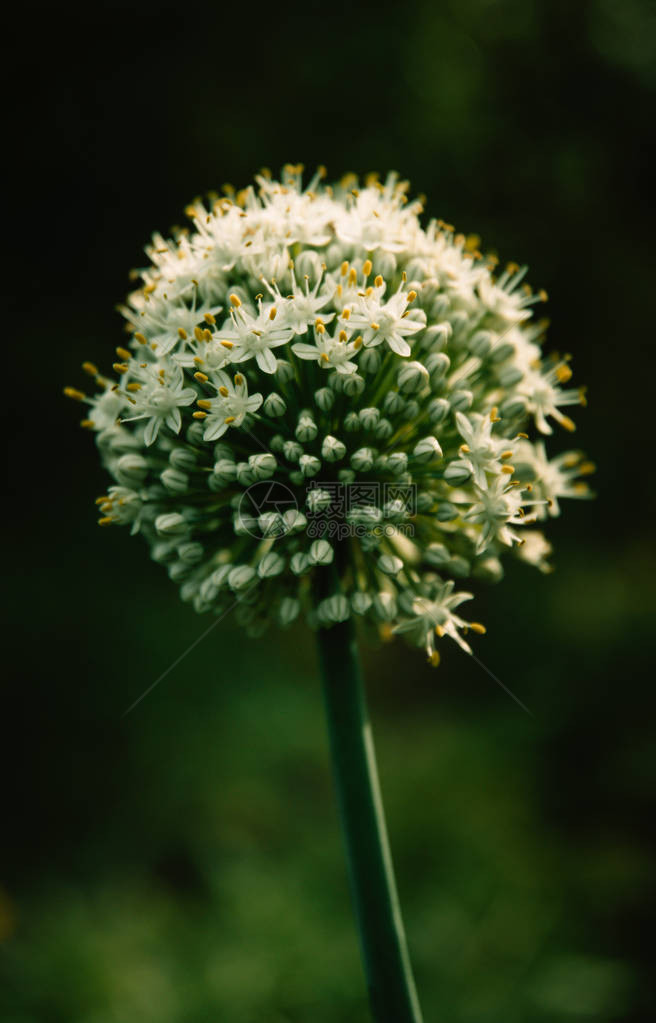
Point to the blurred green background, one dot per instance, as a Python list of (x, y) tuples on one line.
[(183, 864)]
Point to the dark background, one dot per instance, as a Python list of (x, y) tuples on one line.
[(184, 863)]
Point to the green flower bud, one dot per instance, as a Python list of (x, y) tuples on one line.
[(274, 405), (332, 449)]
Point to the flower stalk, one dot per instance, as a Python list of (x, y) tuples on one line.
[(383, 943)]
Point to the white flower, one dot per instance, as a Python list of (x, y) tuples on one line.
[(304, 305), (433, 615), (398, 382), (229, 408), (495, 509), (386, 321), (254, 335), (544, 396), (330, 351), (159, 394), (553, 478), (482, 453)]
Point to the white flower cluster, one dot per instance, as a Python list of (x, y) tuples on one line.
[(315, 338)]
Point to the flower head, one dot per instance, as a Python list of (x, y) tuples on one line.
[(324, 409)]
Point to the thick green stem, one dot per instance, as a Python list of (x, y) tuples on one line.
[(384, 949)]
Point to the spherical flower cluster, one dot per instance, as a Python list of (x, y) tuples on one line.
[(324, 408)]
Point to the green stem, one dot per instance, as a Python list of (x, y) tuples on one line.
[(384, 950)]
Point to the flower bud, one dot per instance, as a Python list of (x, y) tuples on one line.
[(321, 553), (363, 459), (369, 418), (171, 524), (332, 449), (353, 385), (457, 473), (270, 565), (324, 399), (176, 481), (306, 429), (427, 450), (225, 470), (131, 469), (184, 459), (262, 466), (309, 465), (274, 405), (389, 564), (412, 376), (241, 577)]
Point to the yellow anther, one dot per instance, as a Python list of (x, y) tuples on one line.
[(464, 449), (228, 344), (375, 326), (477, 627), (378, 281), (106, 520), (568, 424), (204, 403), (238, 379), (120, 367), (198, 334), (342, 335), (352, 276), (512, 268), (223, 391), (346, 313), (140, 337), (581, 488), (563, 373), (367, 267), (508, 469), (542, 295), (524, 436), (434, 659), (411, 296), (182, 333), (228, 420), (134, 386), (198, 361), (319, 327), (209, 319), (439, 631), (344, 268), (123, 353), (506, 454), (358, 342), (199, 415), (235, 300), (583, 397), (273, 312), (324, 357), (202, 378), (494, 415), (87, 424), (89, 368), (586, 468)]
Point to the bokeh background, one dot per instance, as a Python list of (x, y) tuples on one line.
[(183, 863)]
